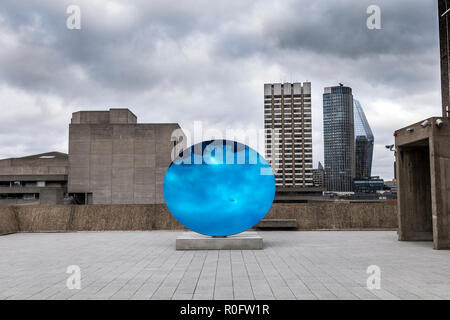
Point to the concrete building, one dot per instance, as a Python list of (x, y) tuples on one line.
[(115, 160), (368, 186), (423, 170), (391, 185), (288, 127), (37, 179), (339, 144), (319, 176)]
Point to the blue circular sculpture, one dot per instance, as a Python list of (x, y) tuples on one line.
[(219, 187)]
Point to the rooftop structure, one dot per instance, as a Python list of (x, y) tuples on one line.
[(423, 169)]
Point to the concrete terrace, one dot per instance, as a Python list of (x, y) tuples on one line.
[(293, 265)]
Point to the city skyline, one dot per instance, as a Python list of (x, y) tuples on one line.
[(188, 66)]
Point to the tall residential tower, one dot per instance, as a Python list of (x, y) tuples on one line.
[(339, 144), (288, 127)]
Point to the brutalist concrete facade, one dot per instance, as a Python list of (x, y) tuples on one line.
[(36, 179), (423, 169), (115, 160)]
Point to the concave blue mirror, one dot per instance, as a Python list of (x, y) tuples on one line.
[(219, 187)]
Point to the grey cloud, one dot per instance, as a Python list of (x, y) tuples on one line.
[(207, 60), (339, 28)]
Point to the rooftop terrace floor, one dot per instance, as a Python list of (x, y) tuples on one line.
[(293, 265)]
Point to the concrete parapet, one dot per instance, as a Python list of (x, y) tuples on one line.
[(309, 216), (337, 216)]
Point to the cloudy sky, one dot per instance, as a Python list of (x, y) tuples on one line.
[(185, 61)]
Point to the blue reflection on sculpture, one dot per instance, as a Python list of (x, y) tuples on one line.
[(219, 188)]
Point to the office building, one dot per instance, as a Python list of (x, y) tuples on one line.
[(368, 186), (288, 127), (339, 144), (391, 185), (319, 176), (364, 141)]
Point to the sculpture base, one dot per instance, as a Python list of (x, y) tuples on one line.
[(248, 240)]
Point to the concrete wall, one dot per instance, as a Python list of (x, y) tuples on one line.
[(337, 216), (8, 220), (60, 218), (310, 216)]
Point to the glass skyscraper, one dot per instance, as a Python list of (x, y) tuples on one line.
[(364, 142), (339, 141)]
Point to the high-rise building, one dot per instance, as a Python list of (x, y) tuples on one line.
[(444, 36), (339, 144), (319, 176), (288, 127), (364, 141)]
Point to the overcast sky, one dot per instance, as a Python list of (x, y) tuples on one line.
[(185, 61)]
